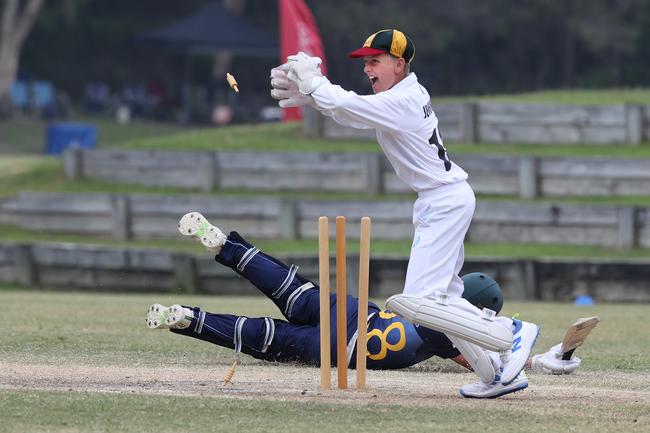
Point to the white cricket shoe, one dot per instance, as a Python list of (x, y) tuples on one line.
[(494, 389), (174, 317), (195, 225), (524, 337)]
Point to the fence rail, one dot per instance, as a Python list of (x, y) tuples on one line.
[(141, 216), (99, 268), (476, 122), (522, 176)]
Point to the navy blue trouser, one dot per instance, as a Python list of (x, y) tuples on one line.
[(392, 342)]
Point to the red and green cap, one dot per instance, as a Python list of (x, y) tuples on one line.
[(390, 41)]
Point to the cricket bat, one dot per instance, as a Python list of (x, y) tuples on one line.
[(577, 334)]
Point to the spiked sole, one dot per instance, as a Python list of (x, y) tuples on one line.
[(157, 316), (177, 318), (195, 225), (161, 317)]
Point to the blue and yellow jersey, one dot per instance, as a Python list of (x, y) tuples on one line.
[(395, 343)]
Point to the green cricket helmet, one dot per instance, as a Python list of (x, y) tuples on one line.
[(482, 291)]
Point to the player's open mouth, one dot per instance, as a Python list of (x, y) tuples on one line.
[(373, 81)]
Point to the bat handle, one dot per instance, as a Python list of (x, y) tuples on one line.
[(567, 355)]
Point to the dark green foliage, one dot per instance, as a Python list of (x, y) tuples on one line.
[(462, 46)]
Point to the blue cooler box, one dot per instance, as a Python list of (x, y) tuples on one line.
[(61, 136)]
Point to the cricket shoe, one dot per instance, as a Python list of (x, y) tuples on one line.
[(195, 225), (174, 317), (494, 389), (524, 337)]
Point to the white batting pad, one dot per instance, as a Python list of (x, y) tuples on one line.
[(478, 358), (454, 317)]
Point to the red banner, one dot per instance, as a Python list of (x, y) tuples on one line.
[(298, 32)]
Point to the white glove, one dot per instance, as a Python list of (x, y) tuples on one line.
[(551, 362), (280, 79), (305, 72), (285, 90)]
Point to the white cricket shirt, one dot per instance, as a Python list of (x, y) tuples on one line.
[(406, 129)]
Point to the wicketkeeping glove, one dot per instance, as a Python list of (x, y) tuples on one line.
[(285, 90), (305, 72), (551, 362)]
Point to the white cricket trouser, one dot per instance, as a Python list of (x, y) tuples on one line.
[(441, 218)]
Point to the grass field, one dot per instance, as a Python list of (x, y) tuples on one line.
[(75, 362), (78, 362), (27, 134), (11, 234), (45, 174), (565, 96), (289, 138)]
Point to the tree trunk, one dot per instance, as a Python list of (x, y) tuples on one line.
[(14, 28)]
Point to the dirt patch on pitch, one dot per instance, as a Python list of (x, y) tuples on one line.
[(282, 382)]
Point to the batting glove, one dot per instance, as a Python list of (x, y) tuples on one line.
[(551, 362), (285, 90), (305, 72)]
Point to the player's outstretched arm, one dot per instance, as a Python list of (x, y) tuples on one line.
[(551, 362), (559, 359)]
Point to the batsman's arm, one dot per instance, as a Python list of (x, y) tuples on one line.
[(460, 360), (551, 362), (547, 363)]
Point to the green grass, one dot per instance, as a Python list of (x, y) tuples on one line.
[(132, 413), (30, 174), (288, 138), (565, 96), (45, 174), (281, 137), (631, 200), (265, 137), (87, 412), (16, 165), (101, 330), (27, 134), (15, 235), (580, 150), (109, 329)]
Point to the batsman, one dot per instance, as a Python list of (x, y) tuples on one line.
[(407, 130), (392, 342)]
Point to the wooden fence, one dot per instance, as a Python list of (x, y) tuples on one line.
[(99, 268), (142, 216), (475, 122), (522, 176)]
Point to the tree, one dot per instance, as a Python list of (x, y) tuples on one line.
[(16, 23)]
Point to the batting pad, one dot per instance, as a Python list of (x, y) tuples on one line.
[(477, 358), (454, 317)]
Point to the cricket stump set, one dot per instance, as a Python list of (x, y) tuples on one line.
[(341, 302)]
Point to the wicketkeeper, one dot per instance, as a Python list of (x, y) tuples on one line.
[(392, 341), (407, 131)]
